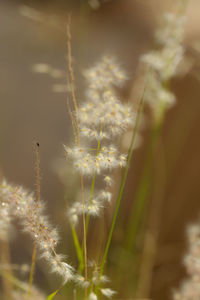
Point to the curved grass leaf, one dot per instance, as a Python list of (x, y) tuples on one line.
[(51, 296)]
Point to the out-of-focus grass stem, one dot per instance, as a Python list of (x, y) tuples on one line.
[(5, 260), (13, 281), (142, 193), (77, 139), (92, 185), (153, 226), (91, 194), (123, 182)]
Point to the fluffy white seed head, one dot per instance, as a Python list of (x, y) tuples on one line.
[(172, 29), (108, 292), (80, 281), (23, 205), (102, 119), (164, 63), (93, 296), (190, 289), (105, 73)]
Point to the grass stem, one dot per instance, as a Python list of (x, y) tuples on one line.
[(31, 276), (123, 182), (141, 196), (78, 248), (38, 190)]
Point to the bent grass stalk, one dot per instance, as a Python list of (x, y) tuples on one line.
[(123, 182)]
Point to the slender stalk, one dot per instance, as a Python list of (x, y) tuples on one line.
[(90, 197), (31, 276), (122, 186), (78, 248), (154, 222), (72, 119), (74, 294), (71, 73), (38, 191), (37, 165), (92, 185), (84, 234), (141, 196), (77, 137)]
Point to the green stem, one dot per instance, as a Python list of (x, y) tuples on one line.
[(78, 248), (122, 187), (143, 190), (91, 194), (141, 196), (92, 185)]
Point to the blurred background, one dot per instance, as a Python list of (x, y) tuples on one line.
[(33, 107)]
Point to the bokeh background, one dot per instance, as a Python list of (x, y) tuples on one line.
[(30, 109)]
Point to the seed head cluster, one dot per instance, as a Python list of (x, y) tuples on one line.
[(102, 120), (164, 62), (16, 202), (190, 288), (95, 281)]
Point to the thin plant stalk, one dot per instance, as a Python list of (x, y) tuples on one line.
[(137, 211), (84, 234), (31, 276), (38, 192), (74, 294), (151, 235), (183, 126), (77, 137), (139, 208), (78, 248), (72, 79), (92, 185), (141, 196), (130, 154)]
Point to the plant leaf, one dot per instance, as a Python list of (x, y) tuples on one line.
[(51, 296)]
